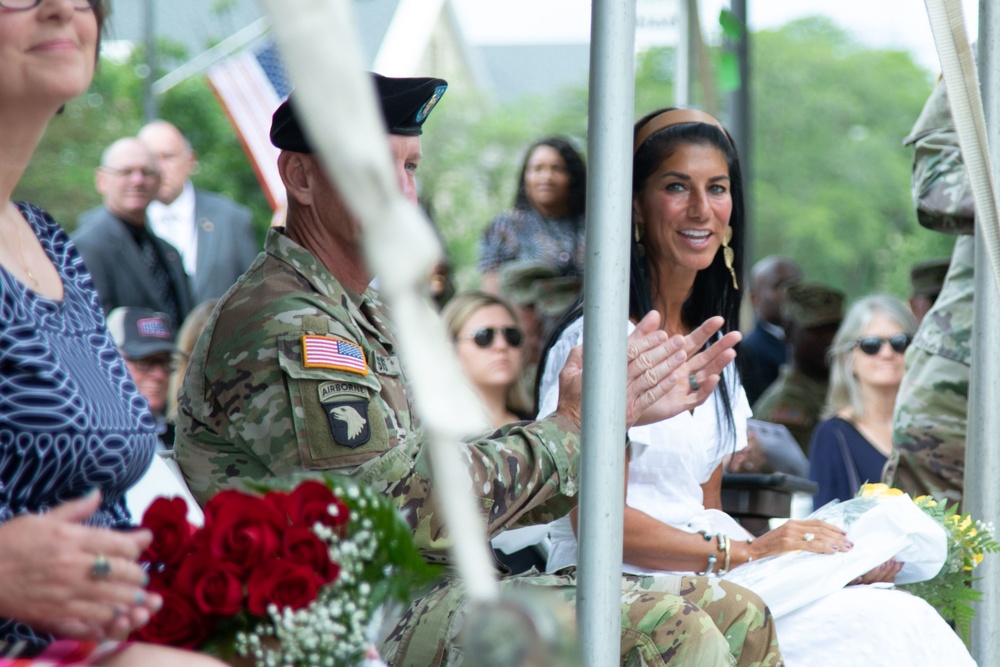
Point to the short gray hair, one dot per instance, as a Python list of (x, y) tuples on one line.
[(844, 390)]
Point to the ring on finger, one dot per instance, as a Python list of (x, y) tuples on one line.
[(808, 537), (101, 567), (693, 382)]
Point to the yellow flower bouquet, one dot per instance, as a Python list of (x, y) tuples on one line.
[(950, 592)]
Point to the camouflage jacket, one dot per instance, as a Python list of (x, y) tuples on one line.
[(794, 400), (942, 194), (943, 199), (295, 372)]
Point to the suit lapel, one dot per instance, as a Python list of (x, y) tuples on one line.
[(207, 240)]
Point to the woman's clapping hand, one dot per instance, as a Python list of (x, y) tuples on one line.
[(694, 380)]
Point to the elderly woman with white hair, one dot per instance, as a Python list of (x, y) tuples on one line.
[(852, 445)]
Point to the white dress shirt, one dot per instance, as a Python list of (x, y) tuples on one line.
[(175, 223)]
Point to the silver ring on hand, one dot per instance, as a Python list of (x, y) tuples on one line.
[(808, 537), (101, 568), (693, 382)]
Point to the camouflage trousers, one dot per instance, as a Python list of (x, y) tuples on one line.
[(676, 620), (929, 425)]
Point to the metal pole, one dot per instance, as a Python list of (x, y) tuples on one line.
[(740, 115), (609, 205), (682, 57), (149, 111), (981, 495)]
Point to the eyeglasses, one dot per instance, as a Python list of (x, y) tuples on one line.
[(871, 345), (127, 171), (484, 337), (147, 364), (21, 5)]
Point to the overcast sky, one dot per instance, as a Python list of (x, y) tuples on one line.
[(881, 23)]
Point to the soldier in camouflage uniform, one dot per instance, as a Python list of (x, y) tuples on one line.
[(926, 280), (929, 425), (297, 369), (796, 399)]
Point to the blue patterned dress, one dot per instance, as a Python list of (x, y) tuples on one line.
[(523, 234), (71, 419)]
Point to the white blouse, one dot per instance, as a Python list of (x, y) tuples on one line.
[(670, 460)]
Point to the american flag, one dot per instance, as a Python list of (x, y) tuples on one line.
[(250, 86), (327, 352), (152, 327)]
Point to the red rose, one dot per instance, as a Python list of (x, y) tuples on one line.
[(311, 502), (300, 545), (176, 624), (161, 579), (282, 583), (213, 586), (172, 534), (278, 500), (242, 529)]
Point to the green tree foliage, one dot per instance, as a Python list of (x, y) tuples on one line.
[(61, 175), (475, 151), (473, 156), (831, 178)]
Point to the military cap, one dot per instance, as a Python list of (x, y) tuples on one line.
[(140, 332), (927, 277), (405, 104), (813, 305), (540, 284)]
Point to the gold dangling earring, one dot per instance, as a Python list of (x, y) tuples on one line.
[(729, 255), (638, 239)]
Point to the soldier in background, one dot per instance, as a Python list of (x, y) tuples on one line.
[(812, 315), (298, 370), (540, 294), (926, 280), (929, 425)]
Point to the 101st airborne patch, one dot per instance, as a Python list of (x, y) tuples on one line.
[(346, 406)]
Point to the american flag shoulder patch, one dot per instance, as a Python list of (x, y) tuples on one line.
[(335, 353)]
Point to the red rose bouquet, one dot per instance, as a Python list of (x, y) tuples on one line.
[(291, 574)]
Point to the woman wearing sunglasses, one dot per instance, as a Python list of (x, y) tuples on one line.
[(488, 343), (850, 448)]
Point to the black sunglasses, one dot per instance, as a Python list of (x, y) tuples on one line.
[(484, 337), (872, 344)]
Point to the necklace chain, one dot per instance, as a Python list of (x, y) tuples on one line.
[(20, 252)]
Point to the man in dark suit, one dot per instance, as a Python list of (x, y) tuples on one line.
[(763, 351), (214, 235), (130, 265)]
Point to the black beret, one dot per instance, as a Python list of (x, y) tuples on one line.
[(406, 104)]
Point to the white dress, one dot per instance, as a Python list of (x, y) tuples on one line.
[(670, 460)]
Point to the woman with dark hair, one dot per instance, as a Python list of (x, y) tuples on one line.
[(546, 223), (74, 432), (688, 230)]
